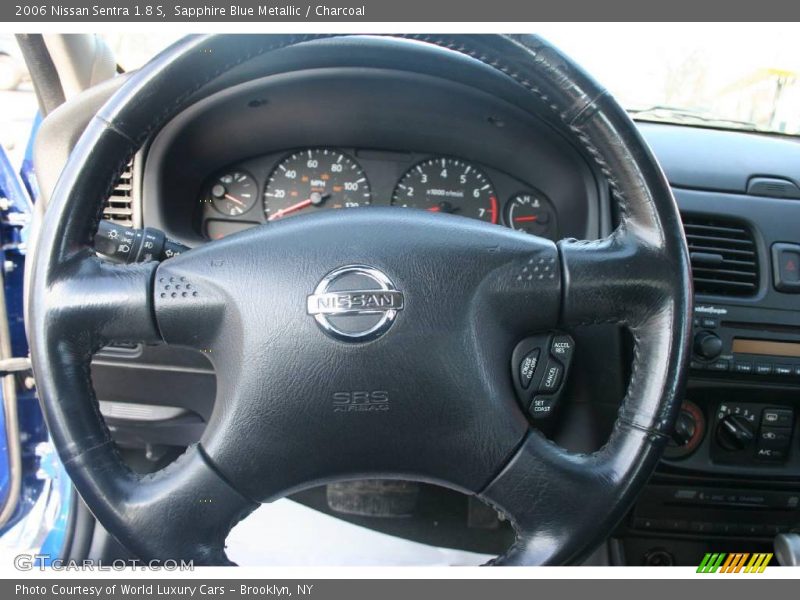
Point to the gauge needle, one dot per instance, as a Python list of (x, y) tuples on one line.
[(444, 207), (522, 219), (289, 209), (234, 199), (316, 199)]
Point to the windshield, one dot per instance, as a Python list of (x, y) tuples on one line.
[(733, 76)]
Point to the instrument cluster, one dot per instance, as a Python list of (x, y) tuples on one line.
[(285, 185)]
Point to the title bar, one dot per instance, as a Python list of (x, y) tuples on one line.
[(28, 11)]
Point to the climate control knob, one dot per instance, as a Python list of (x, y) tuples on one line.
[(689, 430), (707, 345), (735, 432), (685, 428)]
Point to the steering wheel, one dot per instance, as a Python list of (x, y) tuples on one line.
[(363, 343)]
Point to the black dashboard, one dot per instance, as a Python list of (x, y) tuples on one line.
[(351, 124), (730, 477), (466, 143)]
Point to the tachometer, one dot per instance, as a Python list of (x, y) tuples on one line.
[(448, 185), (313, 179)]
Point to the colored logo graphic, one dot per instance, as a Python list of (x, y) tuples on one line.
[(737, 562)]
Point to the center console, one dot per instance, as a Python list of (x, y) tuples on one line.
[(729, 480), (730, 476), (749, 428)]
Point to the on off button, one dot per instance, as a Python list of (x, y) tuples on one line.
[(527, 368)]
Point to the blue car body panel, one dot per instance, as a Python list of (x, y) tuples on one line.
[(41, 517)]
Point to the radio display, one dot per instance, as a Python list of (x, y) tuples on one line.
[(744, 346)]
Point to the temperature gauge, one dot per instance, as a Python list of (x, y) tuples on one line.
[(532, 213)]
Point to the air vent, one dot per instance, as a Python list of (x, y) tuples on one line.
[(723, 255), (119, 206)]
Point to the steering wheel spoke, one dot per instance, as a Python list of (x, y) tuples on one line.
[(618, 279), (98, 302), (537, 493), (189, 307), (183, 512), (524, 293)]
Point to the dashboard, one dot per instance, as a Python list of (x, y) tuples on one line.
[(301, 181), (357, 123), (731, 475)]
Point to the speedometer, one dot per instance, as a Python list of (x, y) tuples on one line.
[(448, 185), (314, 179)]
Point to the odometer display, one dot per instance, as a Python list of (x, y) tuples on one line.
[(448, 185), (314, 179)]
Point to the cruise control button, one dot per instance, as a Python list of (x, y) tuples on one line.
[(542, 406), (562, 347), (551, 378), (527, 368)]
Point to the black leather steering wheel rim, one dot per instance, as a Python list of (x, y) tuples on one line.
[(561, 504)]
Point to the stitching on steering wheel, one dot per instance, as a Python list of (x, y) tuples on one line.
[(496, 63)]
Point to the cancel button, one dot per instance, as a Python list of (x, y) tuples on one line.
[(551, 378)]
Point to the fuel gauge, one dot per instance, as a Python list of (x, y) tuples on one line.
[(233, 193), (532, 213)]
